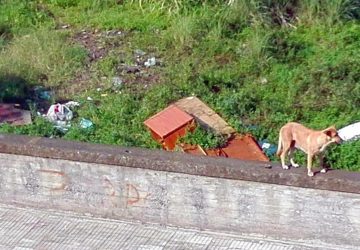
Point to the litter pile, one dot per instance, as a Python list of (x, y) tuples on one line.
[(175, 121), (61, 114)]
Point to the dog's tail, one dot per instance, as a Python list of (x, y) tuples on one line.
[(279, 150)]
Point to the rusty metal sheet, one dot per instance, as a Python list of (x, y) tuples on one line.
[(243, 147), (204, 115)]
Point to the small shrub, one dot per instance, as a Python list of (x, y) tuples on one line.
[(39, 127), (344, 156), (204, 138)]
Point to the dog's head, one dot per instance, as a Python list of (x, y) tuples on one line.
[(332, 135)]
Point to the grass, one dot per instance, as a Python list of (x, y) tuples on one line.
[(257, 63)]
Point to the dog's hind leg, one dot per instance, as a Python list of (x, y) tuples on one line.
[(291, 156), (321, 159), (285, 150), (309, 164)]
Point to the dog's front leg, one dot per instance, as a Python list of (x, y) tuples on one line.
[(309, 164)]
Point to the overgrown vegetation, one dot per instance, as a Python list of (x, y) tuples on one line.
[(206, 139), (258, 63)]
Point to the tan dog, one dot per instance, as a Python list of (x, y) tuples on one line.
[(312, 142)]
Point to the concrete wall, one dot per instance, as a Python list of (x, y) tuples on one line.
[(34, 173)]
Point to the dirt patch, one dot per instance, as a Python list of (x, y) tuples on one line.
[(136, 69), (99, 43)]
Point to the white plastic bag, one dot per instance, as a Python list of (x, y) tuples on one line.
[(350, 132)]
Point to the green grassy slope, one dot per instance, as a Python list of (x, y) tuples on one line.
[(257, 63)]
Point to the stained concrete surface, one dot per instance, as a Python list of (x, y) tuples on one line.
[(188, 201), (343, 181), (26, 229)]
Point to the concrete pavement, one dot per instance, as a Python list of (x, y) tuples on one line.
[(25, 228)]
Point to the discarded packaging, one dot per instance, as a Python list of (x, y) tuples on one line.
[(150, 62), (139, 52), (268, 148), (117, 82), (350, 132), (42, 93), (85, 123), (61, 114)]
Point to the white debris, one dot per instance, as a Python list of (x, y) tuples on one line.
[(350, 132), (61, 115), (150, 62)]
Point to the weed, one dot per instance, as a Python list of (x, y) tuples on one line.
[(206, 139), (258, 63)]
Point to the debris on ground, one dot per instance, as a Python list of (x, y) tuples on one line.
[(139, 52), (42, 93), (86, 124), (243, 147), (61, 115), (150, 62), (204, 115), (9, 113), (350, 132), (267, 147), (169, 125), (117, 82), (173, 122)]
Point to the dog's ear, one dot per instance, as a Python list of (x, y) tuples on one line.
[(330, 131)]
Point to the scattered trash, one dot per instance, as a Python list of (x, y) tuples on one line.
[(98, 89), (14, 116), (263, 80), (268, 148), (65, 26), (61, 115), (86, 124), (117, 82), (350, 132), (89, 98), (72, 104), (150, 62), (139, 52), (268, 166), (42, 93), (62, 126), (59, 112), (114, 33)]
